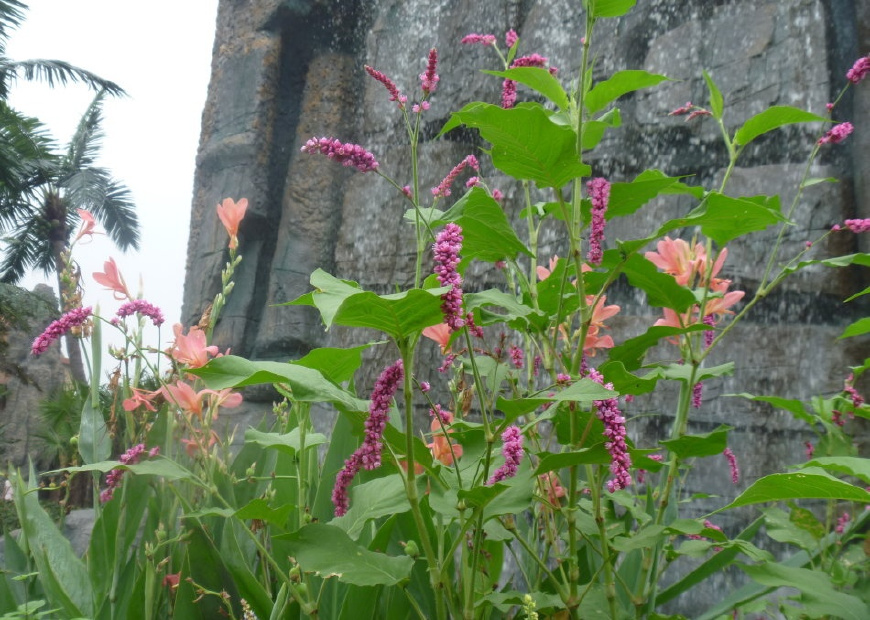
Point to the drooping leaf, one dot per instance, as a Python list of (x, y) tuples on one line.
[(661, 289), (328, 551), (683, 372), (526, 144), (723, 218), (849, 465), (539, 79), (289, 443), (858, 328), (809, 483), (837, 261), (796, 407), (371, 500), (717, 102), (582, 391), (487, 234), (774, 118), (508, 308), (706, 444), (624, 382), (617, 85)]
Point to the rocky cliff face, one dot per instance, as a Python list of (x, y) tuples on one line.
[(284, 71)]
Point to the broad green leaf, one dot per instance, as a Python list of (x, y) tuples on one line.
[(837, 261), (371, 500), (796, 407), (810, 483), (817, 593), (593, 131), (156, 466), (626, 198), (487, 234), (596, 455), (617, 85), (632, 351), (849, 465), (610, 8), (866, 291), (259, 509), (508, 304), (510, 497), (94, 441), (63, 575), (707, 444), (539, 79), (328, 551), (781, 528), (661, 289), (774, 118), (717, 102), (307, 384), (582, 391), (337, 365), (526, 144), (859, 327), (683, 372), (289, 443), (624, 382), (723, 218)]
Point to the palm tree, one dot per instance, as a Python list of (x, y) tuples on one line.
[(39, 217)]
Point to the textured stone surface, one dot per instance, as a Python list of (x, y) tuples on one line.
[(284, 71), (27, 380)]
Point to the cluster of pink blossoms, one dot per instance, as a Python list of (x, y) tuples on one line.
[(859, 70), (368, 455), (429, 79), (130, 457), (837, 134), (348, 154), (856, 226), (732, 463), (391, 87), (599, 195), (73, 318), (614, 432), (447, 246), (140, 306), (512, 451), (443, 188)]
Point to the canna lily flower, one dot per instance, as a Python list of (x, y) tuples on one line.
[(231, 214), (88, 224), (142, 398), (440, 445), (600, 313), (441, 334), (112, 279), (543, 272), (184, 397), (191, 349)]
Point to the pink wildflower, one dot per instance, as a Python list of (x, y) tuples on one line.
[(130, 457), (697, 394), (395, 95), (517, 355), (112, 279), (474, 38), (614, 432), (509, 87), (231, 214), (837, 134), (685, 109), (859, 70), (420, 107), (510, 38), (88, 224), (73, 318), (441, 334), (512, 451), (144, 308), (599, 194), (443, 188), (809, 449), (191, 349), (849, 388), (732, 463), (696, 113), (447, 246), (347, 154), (842, 522), (429, 79), (425, 386), (858, 226)]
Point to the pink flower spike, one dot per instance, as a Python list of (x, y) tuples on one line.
[(112, 279), (73, 318), (443, 189), (836, 134), (732, 463), (447, 246), (684, 109), (599, 195), (512, 451), (88, 224), (351, 155), (231, 214), (858, 226), (859, 70), (395, 95), (140, 306), (429, 79), (510, 38), (474, 38)]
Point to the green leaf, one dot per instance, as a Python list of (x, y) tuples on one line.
[(773, 118), (811, 182), (717, 102), (289, 443), (817, 593), (859, 327), (371, 500), (526, 144), (849, 465), (781, 528), (596, 455), (707, 444), (326, 550), (156, 466), (593, 130), (94, 441), (619, 84), (626, 198), (796, 407), (582, 391), (866, 291), (723, 218), (513, 310), (487, 234), (661, 289), (810, 483), (307, 384), (683, 372), (611, 8), (632, 351), (539, 79), (337, 365), (624, 382)]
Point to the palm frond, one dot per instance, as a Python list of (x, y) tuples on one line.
[(53, 73), (117, 214), (11, 16), (23, 251), (84, 146), (27, 155)]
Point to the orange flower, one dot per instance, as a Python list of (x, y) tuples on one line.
[(140, 397), (191, 401), (441, 334), (191, 349), (600, 313), (543, 272), (231, 214), (112, 279), (440, 446), (552, 487)]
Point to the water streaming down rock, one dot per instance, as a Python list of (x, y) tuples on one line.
[(284, 71)]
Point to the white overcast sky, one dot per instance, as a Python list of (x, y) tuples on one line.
[(160, 52)]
